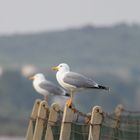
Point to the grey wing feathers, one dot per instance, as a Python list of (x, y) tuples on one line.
[(52, 88), (79, 80)]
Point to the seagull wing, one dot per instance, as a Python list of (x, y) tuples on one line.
[(79, 80), (52, 88)]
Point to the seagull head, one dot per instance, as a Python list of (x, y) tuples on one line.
[(62, 67), (38, 76)]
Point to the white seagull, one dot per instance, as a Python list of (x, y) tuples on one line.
[(45, 87), (73, 82)]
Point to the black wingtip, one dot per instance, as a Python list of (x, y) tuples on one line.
[(67, 95), (103, 87)]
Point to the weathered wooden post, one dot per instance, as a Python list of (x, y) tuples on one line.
[(30, 130), (95, 123), (66, 124), (51, 121), (118, 111), (41, 118)]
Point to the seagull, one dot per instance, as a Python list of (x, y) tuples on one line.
[(45, 87), (74, 82)]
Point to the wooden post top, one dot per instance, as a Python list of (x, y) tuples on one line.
[(55, 106), (119, 109), (96, 115)]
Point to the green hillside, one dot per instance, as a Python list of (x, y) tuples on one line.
[(116, 46)]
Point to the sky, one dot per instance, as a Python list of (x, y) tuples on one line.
[(18, 16)]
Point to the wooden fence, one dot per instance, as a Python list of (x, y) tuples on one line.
[(43, 119)]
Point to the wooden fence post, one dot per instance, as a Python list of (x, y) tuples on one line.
[(118, 111), (66, 124), (95, 123), (41, 118), (51, 121), (30, 130)]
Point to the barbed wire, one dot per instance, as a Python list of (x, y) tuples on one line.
[(122, 121), (131, 112), (127, 123)]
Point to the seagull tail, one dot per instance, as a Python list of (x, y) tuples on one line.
[(102, 87)]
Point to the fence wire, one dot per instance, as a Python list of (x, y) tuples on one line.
[(129, 126)]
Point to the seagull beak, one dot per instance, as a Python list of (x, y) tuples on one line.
[(55, 68), (31, 78)]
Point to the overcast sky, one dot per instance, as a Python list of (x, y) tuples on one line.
[(40, 15)]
